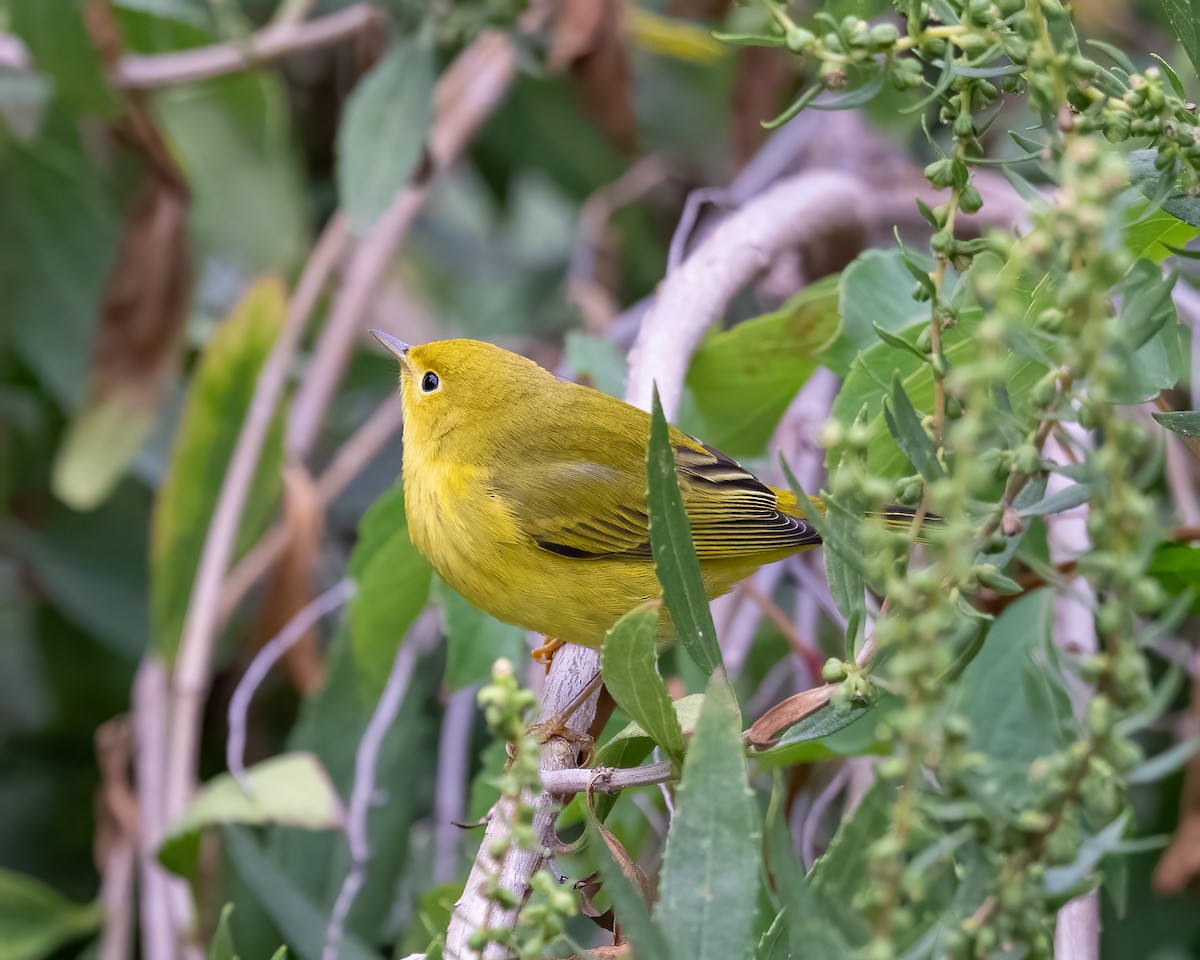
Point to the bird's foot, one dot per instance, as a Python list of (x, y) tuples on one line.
[(545, 653)]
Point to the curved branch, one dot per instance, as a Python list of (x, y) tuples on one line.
[(151, 71), (689, 300)]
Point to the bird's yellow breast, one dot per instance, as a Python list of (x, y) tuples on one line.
[(467, 532)]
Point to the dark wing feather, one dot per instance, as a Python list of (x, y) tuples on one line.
[(588, 511)]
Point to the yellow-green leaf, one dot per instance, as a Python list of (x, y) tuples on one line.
[(218, 399)]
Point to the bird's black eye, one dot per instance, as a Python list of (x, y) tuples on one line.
[(429, 382)]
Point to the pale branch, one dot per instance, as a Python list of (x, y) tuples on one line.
[(572, 669), (606, 779), (202, 621), (691, 298), (152, 71), (466, 95), (421, 636), (1077, 927), (154, 883), (270, 653)]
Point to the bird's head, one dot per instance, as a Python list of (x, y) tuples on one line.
[(448, 385)]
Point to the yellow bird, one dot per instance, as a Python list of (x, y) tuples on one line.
[(527, 493)]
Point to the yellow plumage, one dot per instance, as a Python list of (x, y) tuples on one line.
[(528, 493)]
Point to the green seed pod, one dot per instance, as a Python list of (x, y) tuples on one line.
[(1100, 716), (1027, 458), (969, 199), (834, 671), (799, 40), (883, 35), (940, 173)]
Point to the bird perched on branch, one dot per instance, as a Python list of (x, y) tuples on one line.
[(527, 494)]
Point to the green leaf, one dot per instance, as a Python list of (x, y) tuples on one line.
[(59, 45), (474, 640), (773, 945), (221, 947), (1065, 499), (598, 359), (217, 401), (1165, 763), (93, 566), (1014, 697), (844, 869), (1150, 235), (1185, 20), (292, 789), (873, 291), (675, 560), (1153, 349), (233, 139), (393, 587), (35, 920), (1146, 176), (1186, 423), (905, 425), (1063, 879), (741, 380), (383, 131), (301, 921), (60, 227), (874, 371), (809, 932), (687, 712), (824, 735), (630, 671), (709, 885)]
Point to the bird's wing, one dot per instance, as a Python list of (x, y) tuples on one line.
[(585, 510)]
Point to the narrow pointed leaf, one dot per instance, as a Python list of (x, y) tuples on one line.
[(675, 560), (709, 887), (217, 402), (630, 672)]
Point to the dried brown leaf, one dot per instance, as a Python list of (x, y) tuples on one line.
[(589, 43), (787, 713)]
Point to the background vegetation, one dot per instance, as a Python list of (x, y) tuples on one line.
[(984, 749)]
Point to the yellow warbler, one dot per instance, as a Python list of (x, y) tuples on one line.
[(528, 493)]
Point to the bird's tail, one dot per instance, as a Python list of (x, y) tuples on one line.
[(894, 516)]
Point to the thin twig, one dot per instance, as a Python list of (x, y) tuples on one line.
[(152, 71), (295, 629), (607, 779), (450, 792), (117, 838), (366, 760)]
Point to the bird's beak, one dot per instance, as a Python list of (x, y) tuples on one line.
[(394, 345)]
